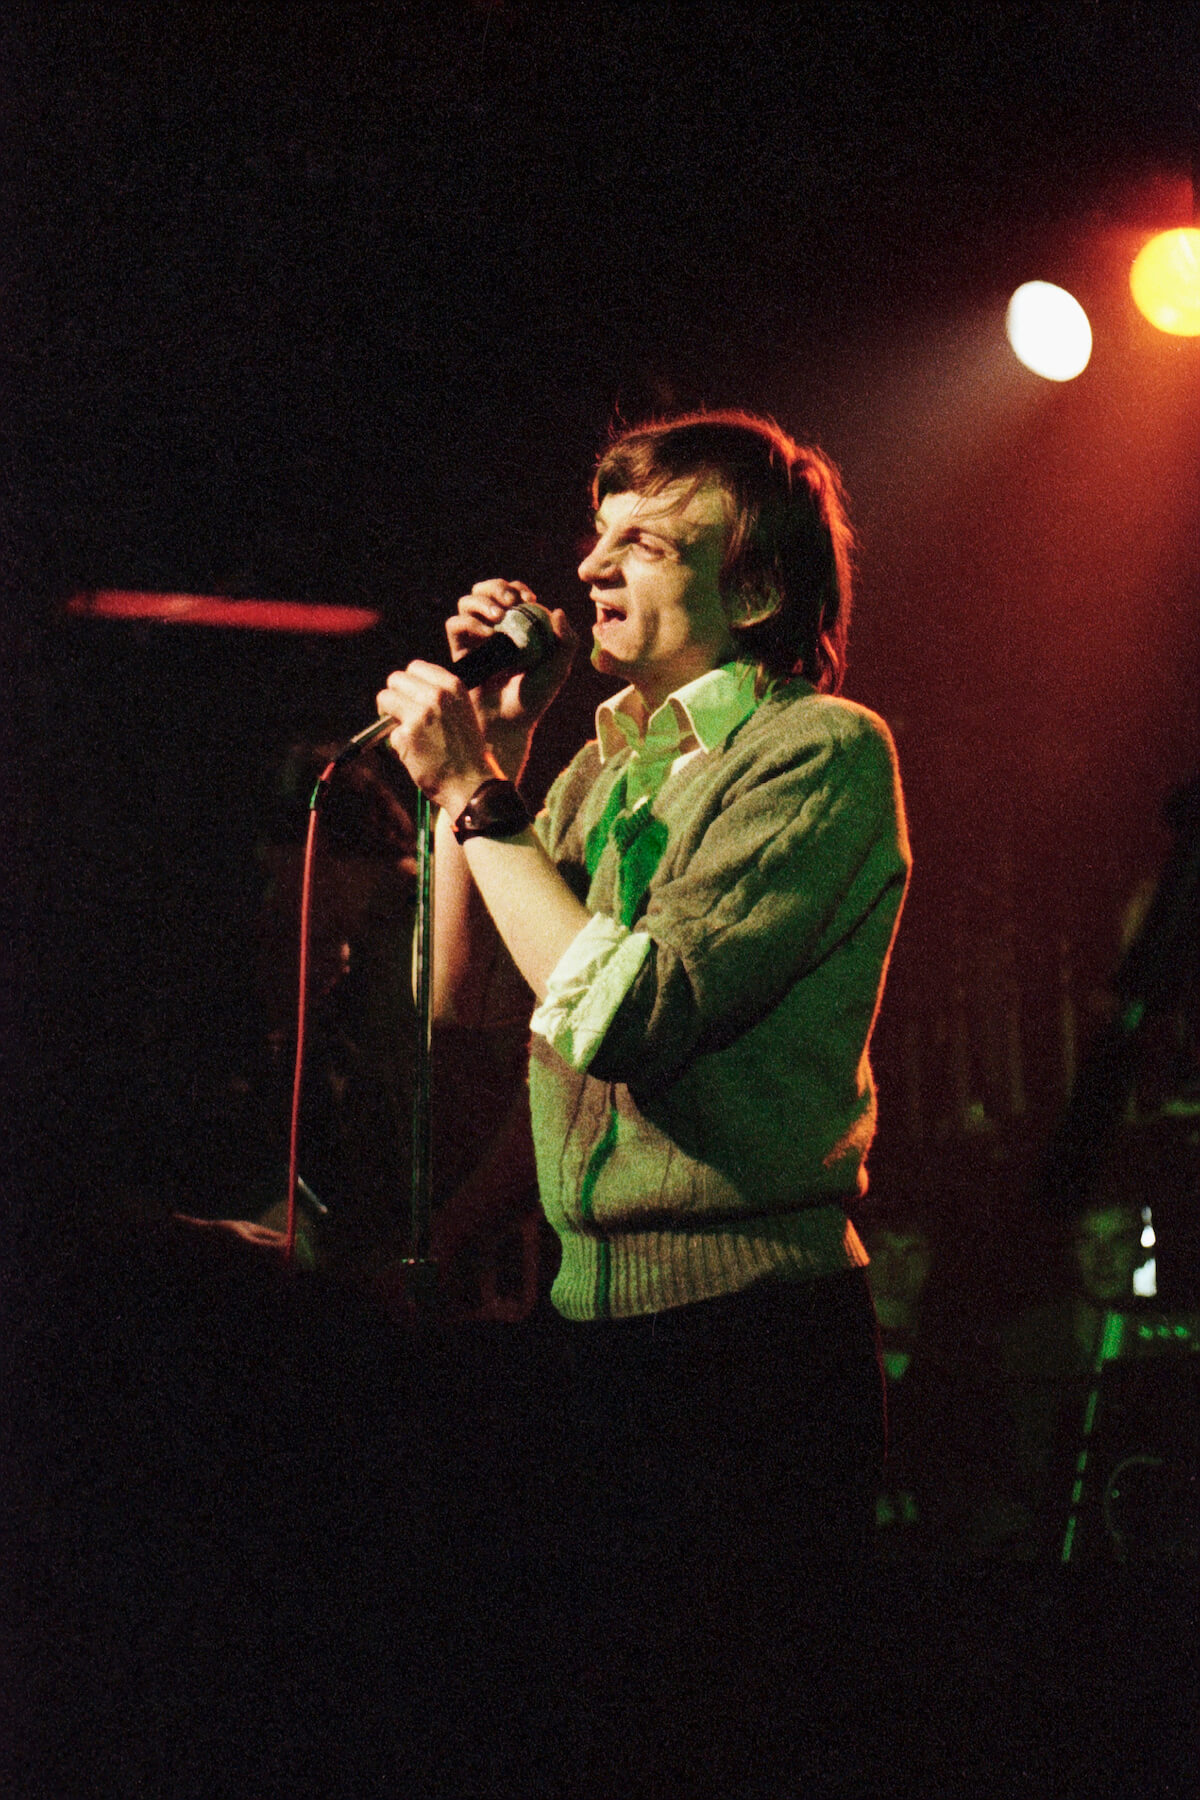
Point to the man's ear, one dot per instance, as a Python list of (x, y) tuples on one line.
[(746, 606)]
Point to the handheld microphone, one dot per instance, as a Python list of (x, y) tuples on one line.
[(521, 640)]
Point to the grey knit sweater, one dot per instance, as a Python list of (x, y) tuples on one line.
[(722, 1126)]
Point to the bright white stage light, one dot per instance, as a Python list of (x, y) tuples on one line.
[(1049, 331)]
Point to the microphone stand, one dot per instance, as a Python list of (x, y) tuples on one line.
[(420, 1270), (521, 640)]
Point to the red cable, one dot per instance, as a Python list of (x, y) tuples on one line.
[(302, 1011)]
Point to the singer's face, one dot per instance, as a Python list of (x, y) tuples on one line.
[(654, 578)]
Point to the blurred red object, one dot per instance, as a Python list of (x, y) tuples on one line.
[(215, 610)]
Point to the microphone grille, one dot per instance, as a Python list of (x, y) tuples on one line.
[(525, 627)]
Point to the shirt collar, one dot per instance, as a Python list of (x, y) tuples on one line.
[(703, 712)]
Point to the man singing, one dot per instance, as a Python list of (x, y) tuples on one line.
[(704, 912)]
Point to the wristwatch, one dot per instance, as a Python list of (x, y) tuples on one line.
[(494, 810)]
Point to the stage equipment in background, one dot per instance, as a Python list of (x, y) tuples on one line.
[(1165, 281), (1049, 331), (1135, 1493), (215, 609), (1156, 985)]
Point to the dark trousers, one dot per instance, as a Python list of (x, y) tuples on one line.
[(743, 1433), (715, 1525)]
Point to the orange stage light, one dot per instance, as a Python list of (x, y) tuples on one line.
[(1165, 281)]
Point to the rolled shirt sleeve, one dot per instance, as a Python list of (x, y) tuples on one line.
[(586, 988)]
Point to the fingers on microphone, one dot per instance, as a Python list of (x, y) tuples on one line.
[(564, 631), (385, 701), (415, 691), (466, 629), (422, 677), (492, 599)]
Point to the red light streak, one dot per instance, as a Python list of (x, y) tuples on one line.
[(215, 610)]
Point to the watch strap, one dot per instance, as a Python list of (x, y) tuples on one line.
[(495, 809)]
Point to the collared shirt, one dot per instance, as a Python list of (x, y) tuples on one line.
[(598, 967), (697, 717)]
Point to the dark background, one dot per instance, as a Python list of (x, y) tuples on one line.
[(339, 304)]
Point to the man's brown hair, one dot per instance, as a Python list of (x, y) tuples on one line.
[(786, 573)]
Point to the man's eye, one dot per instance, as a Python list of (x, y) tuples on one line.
[(652, 547)]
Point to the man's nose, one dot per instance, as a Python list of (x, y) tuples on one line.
[(597, 565)]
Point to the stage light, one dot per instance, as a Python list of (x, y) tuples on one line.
[(1165, 281), (1049, 331)]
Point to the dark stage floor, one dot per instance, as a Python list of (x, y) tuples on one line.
[(262, 1541)]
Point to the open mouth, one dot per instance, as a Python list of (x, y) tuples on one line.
[(607, 614)]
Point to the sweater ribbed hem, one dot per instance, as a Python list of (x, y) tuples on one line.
[(626, 1274)]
